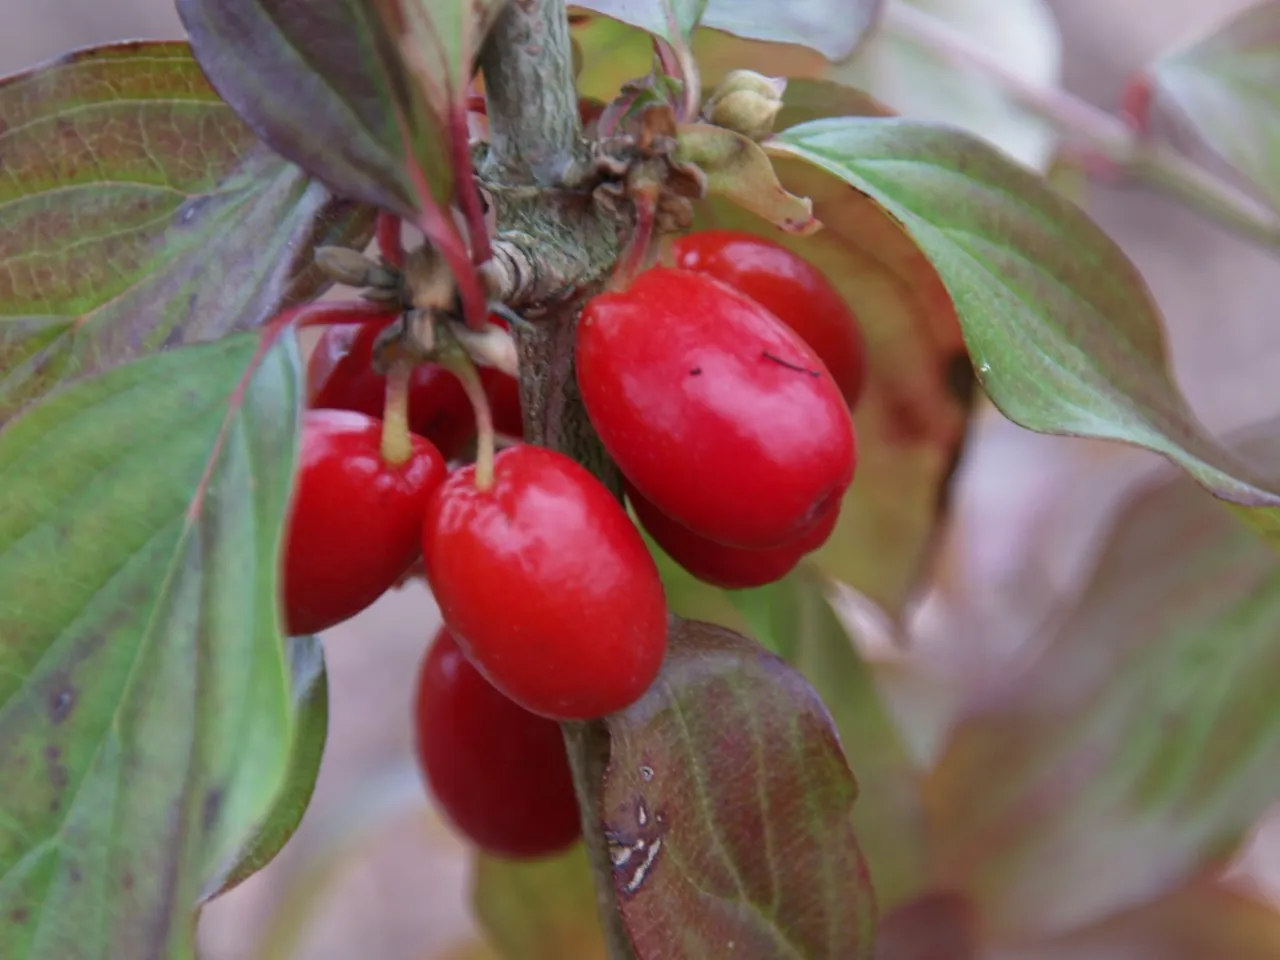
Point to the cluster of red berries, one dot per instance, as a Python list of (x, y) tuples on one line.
[(722, 387)]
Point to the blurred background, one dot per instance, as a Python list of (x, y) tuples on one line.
[(374, 873)]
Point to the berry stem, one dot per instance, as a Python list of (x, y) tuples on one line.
[(390, 241), (454, 359), (397, 447)]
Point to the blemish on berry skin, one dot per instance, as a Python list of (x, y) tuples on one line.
[(789, 365), (695, 372)]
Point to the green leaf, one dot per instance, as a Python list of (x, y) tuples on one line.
[(897, 67), (324, 86), (1140, 746), (139, 212), (310, 704), (794, 619), (1061, 328), (832, 27), (1227, 87), (539, 909), (1206, 921), (727, 804), (145, 697)]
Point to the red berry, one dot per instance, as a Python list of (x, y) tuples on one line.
[(791, 288), (355, 520), (341, 376), (503, 392), (499, 772), (717, 413), (547, 585), (732, 568)]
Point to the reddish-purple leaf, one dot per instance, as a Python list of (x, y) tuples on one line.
[(1140, 746), (794, 618), (322, 84), (140, 213), (727, 805)]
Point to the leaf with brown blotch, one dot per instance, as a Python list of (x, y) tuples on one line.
[(1062, 329), (727, 806), (155, 737), (1140, 746), (140, 213)]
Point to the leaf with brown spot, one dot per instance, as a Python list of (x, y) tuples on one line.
[(140, 213), (160, 610), (727, 805), (539, 909), (1140, 746), (1062, 329)]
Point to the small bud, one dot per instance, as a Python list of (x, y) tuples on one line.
[(771, 88), (353, 268), (746, 102), (745, 112)]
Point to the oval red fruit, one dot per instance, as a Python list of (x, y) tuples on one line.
[(341, 377), (499, 772), (791, 288), (355, 521), (714, 410), (547, 585), (731, 568), (503, 392)]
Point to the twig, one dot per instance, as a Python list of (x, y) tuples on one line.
[(1091, 129)]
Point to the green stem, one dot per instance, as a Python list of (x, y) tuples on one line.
[(459, 364), (1152, 163), (397, 448)]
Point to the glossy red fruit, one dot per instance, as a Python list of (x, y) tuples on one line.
[(499, 772), (547, 585), (715, 411), (732, 568), (503, 392), (355, 521), (341, 377), (791, 288)]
